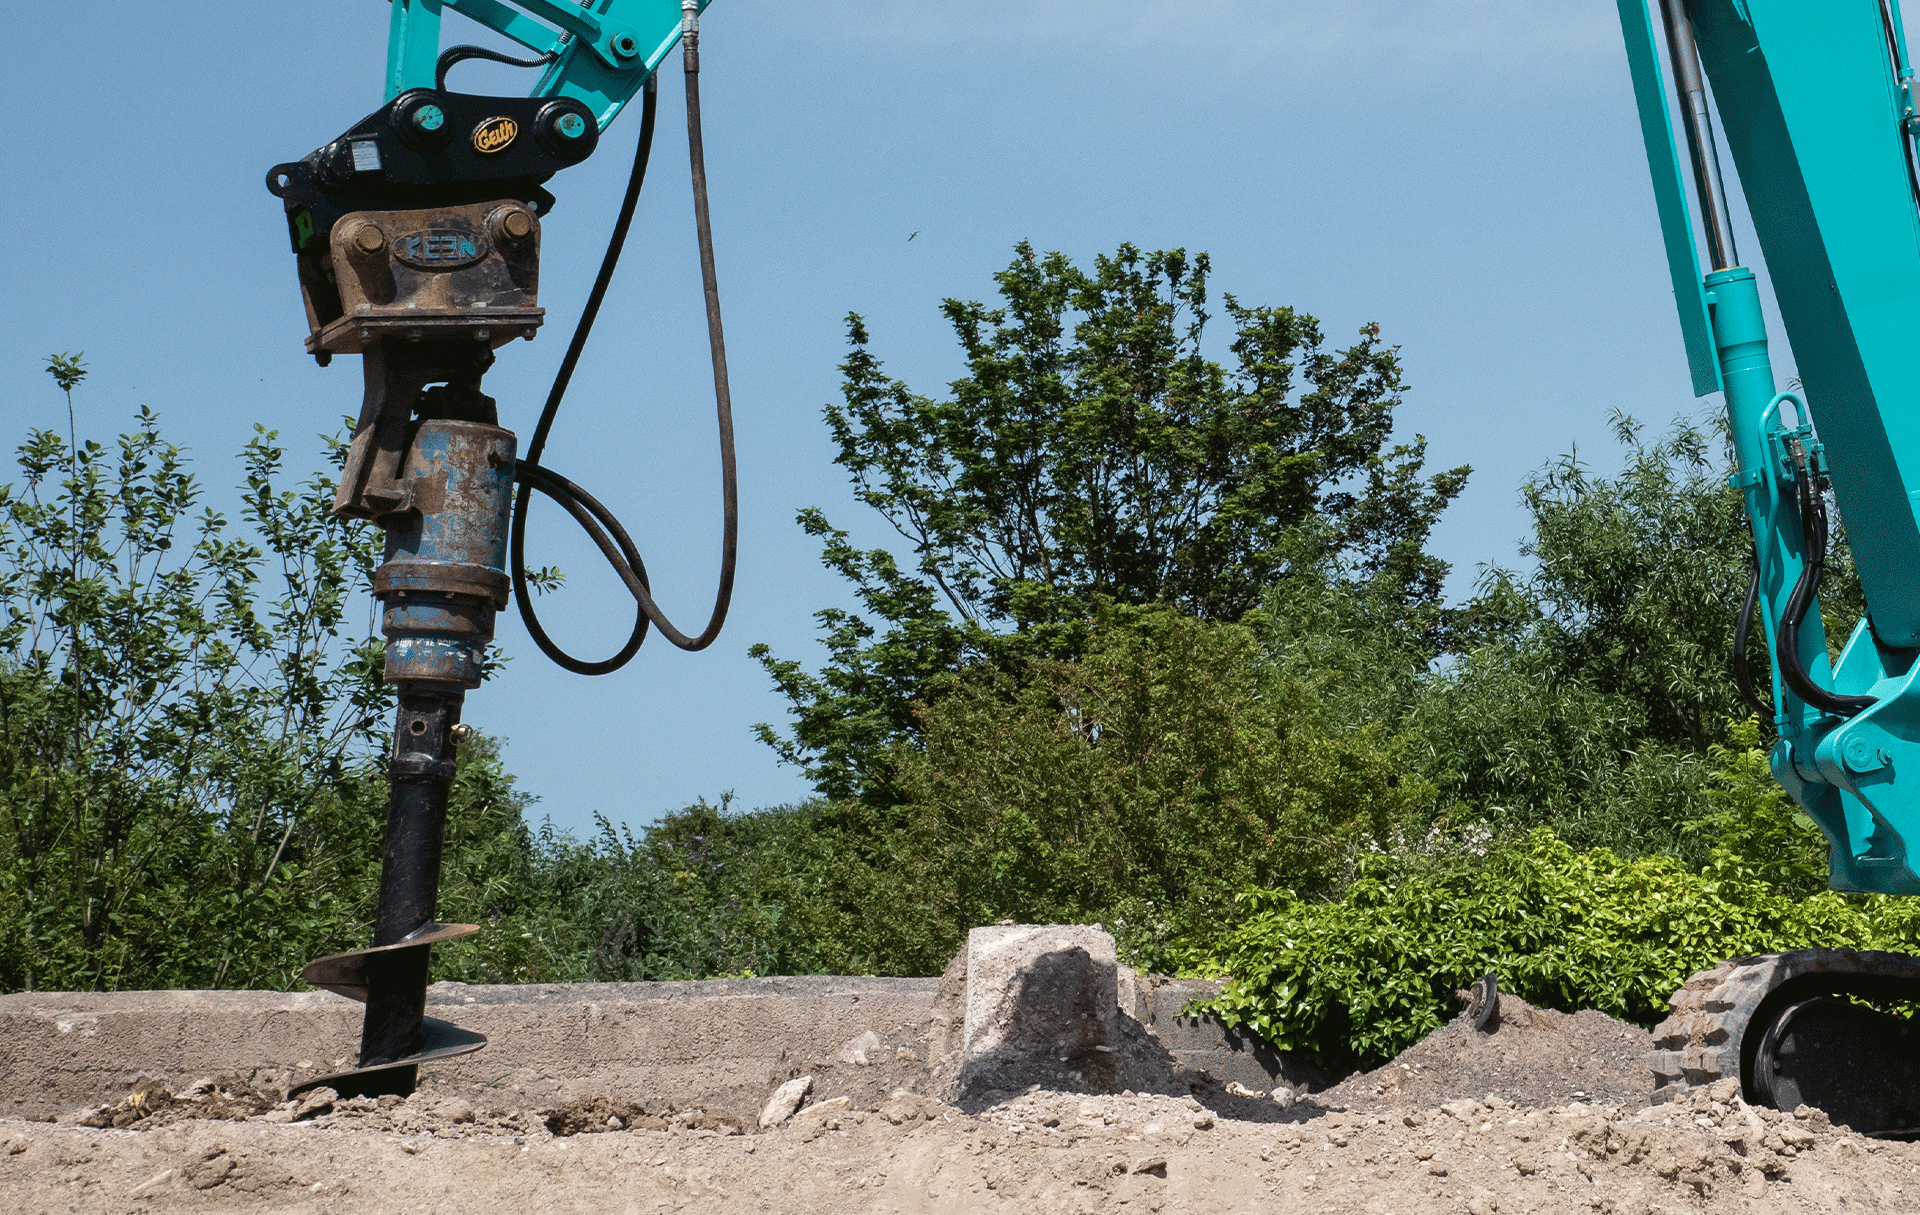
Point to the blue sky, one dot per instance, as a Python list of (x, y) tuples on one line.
[(1468, 174)]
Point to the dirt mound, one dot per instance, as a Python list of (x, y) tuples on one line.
[(1527, 1056), (1039, 1153)]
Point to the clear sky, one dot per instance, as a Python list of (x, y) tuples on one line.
[(1468, 173)]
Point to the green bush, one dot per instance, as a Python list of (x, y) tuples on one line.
[(1360, 979), (193, 726)]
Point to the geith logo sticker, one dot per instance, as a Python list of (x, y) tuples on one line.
[(495, 135)]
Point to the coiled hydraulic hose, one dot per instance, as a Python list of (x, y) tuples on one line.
[(598, 522)]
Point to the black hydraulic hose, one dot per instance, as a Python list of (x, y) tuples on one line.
[(598, 522), (610, 538), (454, 54), (1742, 673), (1813, 531)]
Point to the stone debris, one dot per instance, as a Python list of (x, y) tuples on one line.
[(785, 1101), (903, 1106), (152, 1102), (862, 1049)]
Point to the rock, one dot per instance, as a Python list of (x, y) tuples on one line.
[(213, 1169), (315, 1102), (455, 1110), (1156, 1165), (1724, 1090), (1463, 1109), (1240, 1090), (904, 1106), (1041, 1000), (833, 1105), (861, 1050), (1282, 1095), (785, 1100)]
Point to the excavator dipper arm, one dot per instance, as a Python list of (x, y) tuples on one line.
[(1814, 100)]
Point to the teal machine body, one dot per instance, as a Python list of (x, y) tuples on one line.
[(1814, 102)]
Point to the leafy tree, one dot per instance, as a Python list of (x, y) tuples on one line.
[(192, 724), (1144, 786), (706, 891), (1093, 453), (1592, 689)]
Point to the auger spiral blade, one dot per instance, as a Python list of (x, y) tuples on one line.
[(355, 974)]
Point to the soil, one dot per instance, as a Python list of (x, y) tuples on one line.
[(1535, 1110), (1529, 1056), (1041, 1153), (1545, 1113)]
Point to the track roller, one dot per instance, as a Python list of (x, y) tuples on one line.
[(1810, 1027)]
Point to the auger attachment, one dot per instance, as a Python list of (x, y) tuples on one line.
[(430, 466)]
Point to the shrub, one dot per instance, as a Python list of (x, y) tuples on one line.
[(1360, 979)]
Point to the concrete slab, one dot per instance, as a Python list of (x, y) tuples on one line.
[(680, 1042), (721, 1042)]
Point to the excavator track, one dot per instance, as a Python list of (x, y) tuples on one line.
[(1800, 1028)]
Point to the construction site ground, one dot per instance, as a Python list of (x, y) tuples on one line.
[(1546, 1114)]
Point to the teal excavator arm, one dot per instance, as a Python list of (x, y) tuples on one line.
[(1815, 104), (598, 52), (1813, 99)]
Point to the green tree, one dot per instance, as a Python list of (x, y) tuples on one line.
[(1592, 689), (193, 726), (1144, 786), (1093, 453)]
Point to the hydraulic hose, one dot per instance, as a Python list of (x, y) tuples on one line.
[(1813, 531), (455, 54), (598, 522)]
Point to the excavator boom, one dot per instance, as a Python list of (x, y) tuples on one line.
[(1815, 106)]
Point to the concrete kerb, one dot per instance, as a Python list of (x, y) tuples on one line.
[(725, 1041)]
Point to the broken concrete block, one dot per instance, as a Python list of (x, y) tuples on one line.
[(1042, 1006)]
